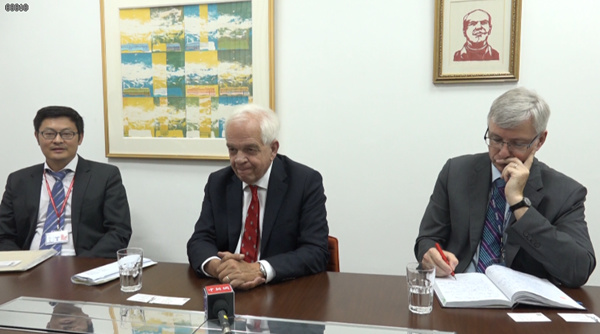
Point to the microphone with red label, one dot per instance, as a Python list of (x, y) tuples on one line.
[(219, 304)]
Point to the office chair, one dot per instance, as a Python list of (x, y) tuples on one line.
[(334, 254)]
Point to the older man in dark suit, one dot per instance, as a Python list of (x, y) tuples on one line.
[(263, 218), (76, 206), (506, 207)]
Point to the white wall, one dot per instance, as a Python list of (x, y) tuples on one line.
[(356, 100)]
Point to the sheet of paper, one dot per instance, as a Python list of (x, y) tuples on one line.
[(580, 317), (154, 299), (21, 260), (529, 317), (469, 287), (9, 263), (514, 282), (103, 274)]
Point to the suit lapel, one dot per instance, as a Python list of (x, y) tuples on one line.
[(83, 175), (235, 198), (275, 194), (33, 198), (532, 191), (534, 184), (479, 187)]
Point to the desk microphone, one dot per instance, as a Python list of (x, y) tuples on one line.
[(219, 304), (221, 308)]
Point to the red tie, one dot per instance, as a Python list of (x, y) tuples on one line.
[(251, 229)]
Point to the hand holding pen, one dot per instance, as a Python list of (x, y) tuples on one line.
[(439, 249)]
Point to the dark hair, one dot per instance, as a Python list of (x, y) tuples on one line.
[(55, 112)]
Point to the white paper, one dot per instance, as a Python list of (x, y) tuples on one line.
[(471, 287), (103, 274), (154, 299), (522, 287), (9, 263), (529, 317), (580, 317)]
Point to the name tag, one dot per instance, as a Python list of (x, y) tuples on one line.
[(57, 237)]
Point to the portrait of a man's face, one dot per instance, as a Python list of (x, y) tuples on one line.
[(476, 40), (477, 27)]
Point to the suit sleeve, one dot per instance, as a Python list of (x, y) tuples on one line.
[(435, 224), (113, 207), (203, 242), (310, 255), (8, 226), (561, 245)]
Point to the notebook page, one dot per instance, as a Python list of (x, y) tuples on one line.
[(469, 290), (535, 290)]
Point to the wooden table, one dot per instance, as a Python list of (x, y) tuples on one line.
[(337, 297)]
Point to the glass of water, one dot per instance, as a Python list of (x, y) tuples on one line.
[(130, 268), (420, 278)]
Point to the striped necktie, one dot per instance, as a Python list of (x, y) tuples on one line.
[(490, 249), (53, 221)]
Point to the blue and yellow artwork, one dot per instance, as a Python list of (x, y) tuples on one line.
[(184, 68)]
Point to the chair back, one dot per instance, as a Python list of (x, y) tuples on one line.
[(334, 254)]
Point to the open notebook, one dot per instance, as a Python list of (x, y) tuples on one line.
[(500, 287), (22, 260)]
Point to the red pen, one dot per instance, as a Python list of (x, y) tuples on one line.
[(439, 248)]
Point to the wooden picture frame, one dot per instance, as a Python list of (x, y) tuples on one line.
[(173, 71), (476, 41)]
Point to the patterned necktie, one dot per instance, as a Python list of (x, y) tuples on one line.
[(53, 222), (490, 250), (251, 229)]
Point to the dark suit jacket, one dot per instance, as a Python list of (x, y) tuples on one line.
[(550, 241), (294, 235), (99, 209)]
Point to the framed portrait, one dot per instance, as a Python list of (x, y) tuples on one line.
[(174, 70), (476, 41)]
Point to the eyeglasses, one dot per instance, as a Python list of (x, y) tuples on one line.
[(497, 143), (65, 134)]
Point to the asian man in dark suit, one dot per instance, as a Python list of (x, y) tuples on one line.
[(94, 221), (507, 207), (263, 218)]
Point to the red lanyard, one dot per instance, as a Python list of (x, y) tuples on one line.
[(62, 210)]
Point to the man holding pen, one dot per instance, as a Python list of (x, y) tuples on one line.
[(506, 207)]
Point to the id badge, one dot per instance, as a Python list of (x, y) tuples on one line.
[(57, 237)]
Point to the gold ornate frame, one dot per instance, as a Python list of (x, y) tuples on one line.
[(449, 38)]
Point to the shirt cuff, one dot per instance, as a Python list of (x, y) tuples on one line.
[(207, 261), (269, 269)]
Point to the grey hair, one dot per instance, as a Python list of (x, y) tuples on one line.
[(267, 118), (518, 105)]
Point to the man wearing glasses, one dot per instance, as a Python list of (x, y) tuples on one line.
[(506, 207), (75, 206)]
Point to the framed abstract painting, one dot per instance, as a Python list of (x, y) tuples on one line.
[(173, 72)]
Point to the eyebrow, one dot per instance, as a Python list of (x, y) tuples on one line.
[(53, 129), (495, 136), (480, 21)]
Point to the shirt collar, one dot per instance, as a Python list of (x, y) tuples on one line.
[(72, 165), (495, 173), (263, 182)]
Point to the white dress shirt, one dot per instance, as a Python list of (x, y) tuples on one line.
[(262, 184), (68, 248)]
